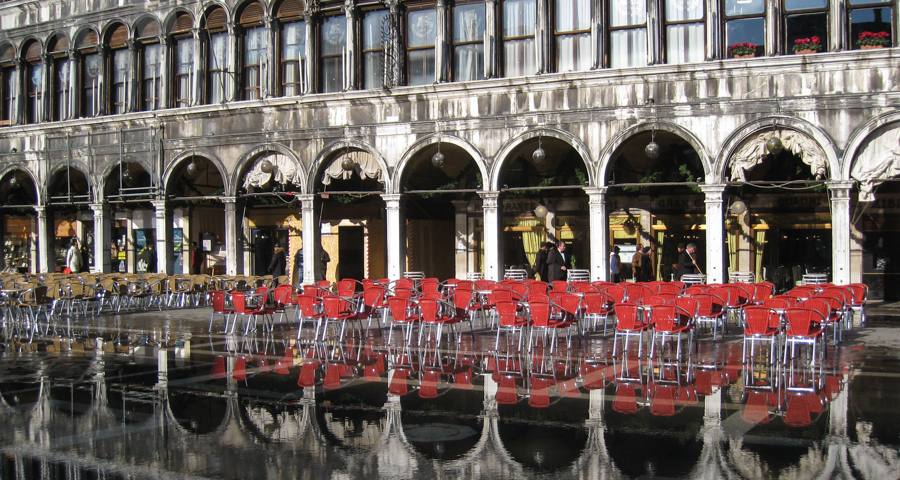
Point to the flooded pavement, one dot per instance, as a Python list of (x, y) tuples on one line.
[(153, 395)]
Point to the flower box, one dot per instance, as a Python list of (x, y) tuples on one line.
[(868, 40), (743, 50), (807, 45), (870, 47), (804, 51)]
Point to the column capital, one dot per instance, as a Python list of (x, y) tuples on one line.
[(842, 187), (98, 207), (714, 193), (392, 200), (40, 209), (595, 192), (489, 198), (229, 200), (157, 204)]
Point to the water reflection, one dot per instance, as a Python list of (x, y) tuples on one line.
[(143, 403)]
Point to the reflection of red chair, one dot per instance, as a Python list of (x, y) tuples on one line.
[(800, 409), (506, 391), (285, 362), (756, 410), (240, 369), (428, 385), (218, 368), (308, 374), (462, 379), (663, 401), (399, 382), (626, 398), (539, 393)]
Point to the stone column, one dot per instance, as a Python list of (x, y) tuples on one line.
[(133, 83), (103, 82), (18, 107), (351, 72), (493, 40), (197, 68), (599, 231), (442, 56), (46, 87), (493, 261), (163, 237), (308, 70), (269, 67), (542, 43), (164, 81), (840, 230), (395, 229), (310, 234), (45, 258), (715, 234), (232, 90), (102, 263), (234, 249), (462, 240), (74, 68)]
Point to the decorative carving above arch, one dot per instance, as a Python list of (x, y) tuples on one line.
[(366, 166), (285, 170), (876, 162), (753, 152)]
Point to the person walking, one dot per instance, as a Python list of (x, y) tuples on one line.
[(277, 265), (646, 271), (298, 266), (615, 265), (73, 257), (196, 259), (636, 263), (540, 262), (323, 265)]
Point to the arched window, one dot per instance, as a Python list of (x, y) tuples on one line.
[(217, 56), (519, 21), (182, 61), (34, 83), (90, 74), (60, 102), (332, 43), (292, 48), (685, 31), (572, 30), (8, 85), (420, 43), (374, 30), (150, 64), (254, 51), (468, 42), (119, 70)]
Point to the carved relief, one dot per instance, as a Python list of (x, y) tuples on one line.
[(753, 152)]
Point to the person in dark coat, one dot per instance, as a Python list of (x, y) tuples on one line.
[(686, 261), (676, 266), (197, 259), (298, 266), (278, 263), (558, 262), (540, 262), (646, 266)]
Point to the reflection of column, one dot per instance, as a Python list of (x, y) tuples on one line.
[(234, 252), (44, 235), (101, 238), (162, 368), (396, 236), (163, 234), (715, 234), (840, 231), (462, 240), (599, 230), (491, 237), (308, 220)]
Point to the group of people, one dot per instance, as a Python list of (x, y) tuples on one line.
[(643, 262), (278, 266), (552, 262)]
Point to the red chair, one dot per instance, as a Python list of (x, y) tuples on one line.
[(561, 285), (404, 312), (538, 287), (804, 326), (860, 292), (432, 317), (338, 310), (309, 309), (651, 301), (511, 319), (711, 311), (283, 296), (467, 306), (239, 300), (629, 323), (373, 305), (762, 291), (543, 318), (597, 307), (219, 306), (667, 287), (762, 324), (831, 310), (218, 369), (637, 291), (616, 292), (670, 321)]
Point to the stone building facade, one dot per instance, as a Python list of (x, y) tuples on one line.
[(392, 134)]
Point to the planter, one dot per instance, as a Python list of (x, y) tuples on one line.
[(870, 47), (749, 55), (804, 51)]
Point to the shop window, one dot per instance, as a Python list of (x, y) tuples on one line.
[(806, 21), (374, 26), (468, 42), (627, 33), (685, 31), (573, 35), (745, 26), (519, 20), (873, 21), (333, 41), (420, 46)]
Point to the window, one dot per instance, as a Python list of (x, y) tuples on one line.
[(292, 34), (374, 28), (519, 20), (151, 66), (745, 22), (873, 17), (627, 33), (573, 35), (805, 19), (468, 42), (90, 85), (61, 100), (184, 68), (685, 31), (331, 54), (119, 71), (217, 57), (34, 83), (7, 93), (420, 46), (254, 52)]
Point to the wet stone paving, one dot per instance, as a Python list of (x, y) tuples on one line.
[(155, 395)]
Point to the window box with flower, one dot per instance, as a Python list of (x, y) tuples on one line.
[(870, 40), (743, 50), (807, 45)]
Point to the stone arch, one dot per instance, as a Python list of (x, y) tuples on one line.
[(202, 153), (504, 153), (39, 189), (327, 155), (734, 142), (111, 25), (415, 148), (625, 135), (54, 35), (168, 23), (861, 137), (81, 33), (73, 164), (240, 6), (211, 6), (243, 165), (143, 20), (26, 42)]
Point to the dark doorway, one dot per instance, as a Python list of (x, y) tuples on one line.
[(263, 247), (351, 246)]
